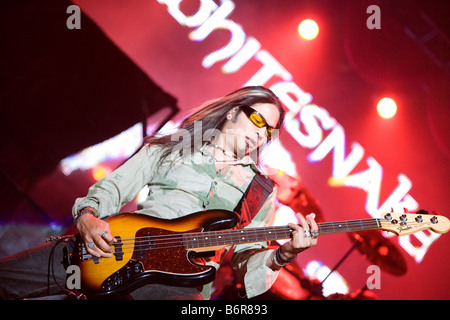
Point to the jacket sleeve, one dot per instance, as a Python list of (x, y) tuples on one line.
[(121, 186)]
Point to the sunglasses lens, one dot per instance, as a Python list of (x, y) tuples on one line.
[(260, 122), (257, 120)]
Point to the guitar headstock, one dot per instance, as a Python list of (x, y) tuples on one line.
[(408, 223)]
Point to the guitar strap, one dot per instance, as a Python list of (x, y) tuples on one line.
[(253, 199)]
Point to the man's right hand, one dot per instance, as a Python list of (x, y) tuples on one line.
[(96, 235)]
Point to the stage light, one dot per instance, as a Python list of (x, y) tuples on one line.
[(387, 108), (308, 29), (99, 172)]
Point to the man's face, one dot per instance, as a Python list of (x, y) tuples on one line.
[(243, 136)]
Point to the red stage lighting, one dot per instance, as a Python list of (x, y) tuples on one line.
[(387, 108), (308, 29)]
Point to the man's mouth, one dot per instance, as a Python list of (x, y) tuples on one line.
[(250, 142)]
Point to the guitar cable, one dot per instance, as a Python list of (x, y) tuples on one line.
[(66, 260)]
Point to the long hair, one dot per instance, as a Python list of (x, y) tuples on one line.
[(205, 123)]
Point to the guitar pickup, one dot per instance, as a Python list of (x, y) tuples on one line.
[(118, 253)]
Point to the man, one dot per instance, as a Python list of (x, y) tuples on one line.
[(208, 163)]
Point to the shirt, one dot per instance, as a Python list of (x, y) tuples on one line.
[(184, 186)]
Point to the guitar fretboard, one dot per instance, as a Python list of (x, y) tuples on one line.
[(250, 235)]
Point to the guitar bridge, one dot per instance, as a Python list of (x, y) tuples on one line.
[(85, 255)]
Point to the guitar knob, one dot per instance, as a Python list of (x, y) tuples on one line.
[(403, 217), (388, 216), (128, 272), (108, 285), (419, 219), (434, 220)]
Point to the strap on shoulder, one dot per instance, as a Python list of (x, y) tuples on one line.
[(253, 199)]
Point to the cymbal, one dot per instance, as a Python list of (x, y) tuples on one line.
[(380, 251)]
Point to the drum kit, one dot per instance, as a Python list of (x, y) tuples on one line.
[(292, 282)]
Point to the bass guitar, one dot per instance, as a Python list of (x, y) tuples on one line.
[(154, 250)]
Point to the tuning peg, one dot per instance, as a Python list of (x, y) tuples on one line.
[(421, 211)]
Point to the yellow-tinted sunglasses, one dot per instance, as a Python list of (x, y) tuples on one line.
[(258, 120)]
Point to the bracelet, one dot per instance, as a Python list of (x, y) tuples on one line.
[(274, 261), (82, 212), (278, 260)]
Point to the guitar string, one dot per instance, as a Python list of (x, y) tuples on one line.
[(274, 232), (248, 233), (237, 234), (204, 239), (179, 241), (166, 245), (322, 227), (216, 237)]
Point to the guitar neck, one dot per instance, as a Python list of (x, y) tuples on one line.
[(212, 240)]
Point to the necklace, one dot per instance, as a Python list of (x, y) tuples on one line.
[(225, 152)]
